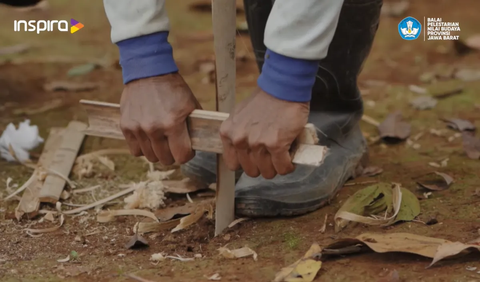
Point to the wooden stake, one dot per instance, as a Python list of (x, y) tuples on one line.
[(62, 162), (224, 36), (203, 126)]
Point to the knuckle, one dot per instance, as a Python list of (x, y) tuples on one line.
[(183, 158), (169, 124), (150, 127), (238, 140)]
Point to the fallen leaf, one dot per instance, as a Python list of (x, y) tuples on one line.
[(395, 9), (424, 102), (107, 216), (14, 49), (70, 86), (449, 249), (304, 269), (459, 124), (237, 253), (192, 218), (471, 145), (468, 74), (393, 128), (82, 69), (372, 199), (136, 242), (169, 213), (372, 171), (438, 184), (393, 276), (378, 199)]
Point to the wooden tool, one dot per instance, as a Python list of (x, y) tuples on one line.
[(203, 126)]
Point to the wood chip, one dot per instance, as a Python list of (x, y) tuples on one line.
[(237, 253), (192, 218)]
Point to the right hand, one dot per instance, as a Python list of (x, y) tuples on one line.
[(153, 118)]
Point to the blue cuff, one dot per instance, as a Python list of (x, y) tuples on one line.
[(146, 56), (288, 78)]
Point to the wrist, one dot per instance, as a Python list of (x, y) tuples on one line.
[(288, 78), (146, 56)]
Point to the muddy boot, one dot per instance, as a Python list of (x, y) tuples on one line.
[(336, 109)]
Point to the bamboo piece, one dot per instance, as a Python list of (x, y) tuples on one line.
[(224, 36), (63, 161), (203, 126), (30, 203)]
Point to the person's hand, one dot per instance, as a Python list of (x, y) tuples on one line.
[(153, 118), (259, 133)]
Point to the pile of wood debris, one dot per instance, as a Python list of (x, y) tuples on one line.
[(50, 192)]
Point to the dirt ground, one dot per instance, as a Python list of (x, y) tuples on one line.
[(393, 65)]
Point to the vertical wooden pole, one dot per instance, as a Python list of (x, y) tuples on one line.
[(224, 33)]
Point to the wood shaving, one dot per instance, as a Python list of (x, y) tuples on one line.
[(324, 226), (88, 189), (146, 195), (237, 253), (237, 221), (46, 230), (67, 259), (106, 162), (159, 175), (152, 226), (214, 277)]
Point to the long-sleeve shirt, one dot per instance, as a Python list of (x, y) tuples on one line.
[(297, 37)]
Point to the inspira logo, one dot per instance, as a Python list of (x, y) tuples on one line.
[(50, 25), (409, 28)]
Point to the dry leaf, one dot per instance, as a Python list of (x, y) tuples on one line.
[(438, 184), (459, 124), (372, 171), (153, 226), (169, 213), (192, 218), (237, 253), (393, 276), (449, 249), (304, 269), (136, 242), (393, 128), (424, 102), (14, 49), (107, 216), (70, 86), (471, 145)]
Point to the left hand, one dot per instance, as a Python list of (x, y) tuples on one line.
[(259, 132)]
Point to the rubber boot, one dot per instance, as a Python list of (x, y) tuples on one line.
[(335, 109)]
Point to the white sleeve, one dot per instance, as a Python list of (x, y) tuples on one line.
[(132, 18), (302, 29)]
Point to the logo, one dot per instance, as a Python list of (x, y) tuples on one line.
[(50, 25), (76, 26), (409, 28)]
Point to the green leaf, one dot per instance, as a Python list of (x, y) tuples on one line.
[(73, 255), (410, 207)]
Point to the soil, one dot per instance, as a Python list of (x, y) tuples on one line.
[(393, 65)]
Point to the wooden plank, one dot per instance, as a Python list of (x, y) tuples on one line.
[(203, 126), (30, 203), (62, 162), (224, 36)]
